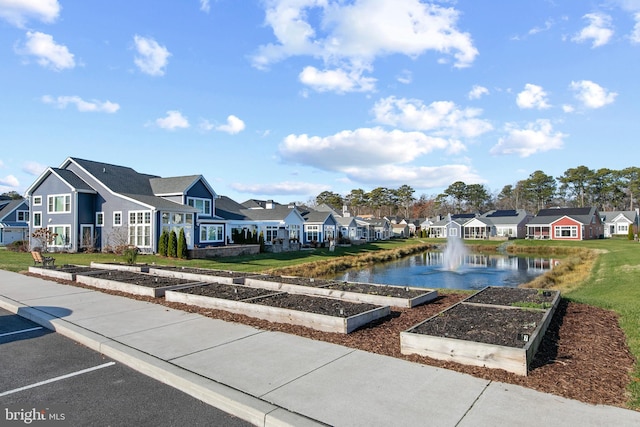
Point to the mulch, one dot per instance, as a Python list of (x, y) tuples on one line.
[(583, 356)]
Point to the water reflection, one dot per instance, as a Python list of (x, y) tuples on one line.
[(476, 272)]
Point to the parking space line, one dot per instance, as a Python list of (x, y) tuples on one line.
[(21, 331), (62, 377)]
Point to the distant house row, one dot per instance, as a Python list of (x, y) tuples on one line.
[(89, 204)]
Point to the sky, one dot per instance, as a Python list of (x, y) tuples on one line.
[(285, 99)]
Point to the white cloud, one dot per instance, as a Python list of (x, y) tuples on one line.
[(533, 96), (599, 30), (10, 181), (204, 6), (49, 54), (174, 120), (635, 35), (350, 36), (418, 176), (82, 105), (337, 80), (405, 77), (152, 58), (234, 125), (536, 137), (441, 118), (477, 92), (568, 108), (281, 188), (17, 12), (33, 168), (591, 94), (360, 148)]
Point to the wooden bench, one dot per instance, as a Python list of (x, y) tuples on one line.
[(46, 261)]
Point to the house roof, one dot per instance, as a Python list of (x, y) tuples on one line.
[(610, 216), (173, 185), (118, 179), (10, 206), (73, 180), (229, 209), (548, 216), (504, 217)]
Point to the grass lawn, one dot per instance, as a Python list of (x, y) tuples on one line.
[(612, 284)]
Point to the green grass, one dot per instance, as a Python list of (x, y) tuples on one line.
[(611, 284)]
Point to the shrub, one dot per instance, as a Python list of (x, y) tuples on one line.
[(172, 247), (261, 241), (182, 245), (163, 243), (130, 254)]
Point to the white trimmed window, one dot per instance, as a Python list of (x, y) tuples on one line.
[(22, 216), (62, 235), (313, 233), (212, 233), (99, 219), (270, 233), (140, 228), (203, 205), (117, 219), (37, 219), (59, 203), (294, 231), (566, 231), (37, 200)]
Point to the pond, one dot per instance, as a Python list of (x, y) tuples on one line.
[(434, 269)]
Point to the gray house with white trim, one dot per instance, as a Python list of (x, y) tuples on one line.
[(14, 221), (95, 205)]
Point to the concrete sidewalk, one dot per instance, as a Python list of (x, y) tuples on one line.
[(271, 378)]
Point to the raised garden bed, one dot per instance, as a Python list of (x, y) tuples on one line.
[(131, 282), (349, 291), (496, 328), (136, 268), (64, 272), (200, 274), (323, 314)]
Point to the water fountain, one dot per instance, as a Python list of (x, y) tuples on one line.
[(454, 253)]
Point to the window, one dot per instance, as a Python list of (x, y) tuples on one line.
[(566, 231), (212, 233), (59, 203), (62, 235), (117, 219), (175, 221), (203, 205), (313, 233), (37, 200), (623, 228), (22, 216), (140, 228), (271, 233), (99, 219), (294, 231), (37, 219)]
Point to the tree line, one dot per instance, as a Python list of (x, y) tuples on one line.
[(607, 189)]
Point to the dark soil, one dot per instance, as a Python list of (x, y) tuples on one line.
[(69, 268), (141, 279), (203, 271), (302, 281), (513, 296), (489, 325), (583, 355), (317, 305), (371, 289), (230, 292)]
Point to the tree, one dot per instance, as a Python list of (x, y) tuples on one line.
[(478, 197), (540, 188), (172, 247), (458, 192), (163, 244), (405, 198), (356, 200), (182, 245), (631, 176), (330, 198), (576, 182), (13, 195)]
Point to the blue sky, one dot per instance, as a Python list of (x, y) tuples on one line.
[(284, 99)]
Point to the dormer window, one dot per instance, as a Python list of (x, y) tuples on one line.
[(203, 205)]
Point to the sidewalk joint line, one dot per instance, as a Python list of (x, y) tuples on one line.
[(473, 404), (21, 331)]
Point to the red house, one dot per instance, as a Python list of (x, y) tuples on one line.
[(566, 224)]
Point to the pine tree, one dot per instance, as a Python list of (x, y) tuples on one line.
[(172, 248), (182, 245), (163, 243)]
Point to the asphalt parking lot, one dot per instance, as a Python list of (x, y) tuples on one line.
[(48, 379)]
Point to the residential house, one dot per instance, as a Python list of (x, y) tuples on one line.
[(347, 225), (319, 226), (377, 228), (88, 204), (497, 223), (617, 223), (450, 226), (273, 220), (566, 224), (400, 230), (14, 221)]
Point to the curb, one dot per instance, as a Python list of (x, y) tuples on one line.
[(234, 402)]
